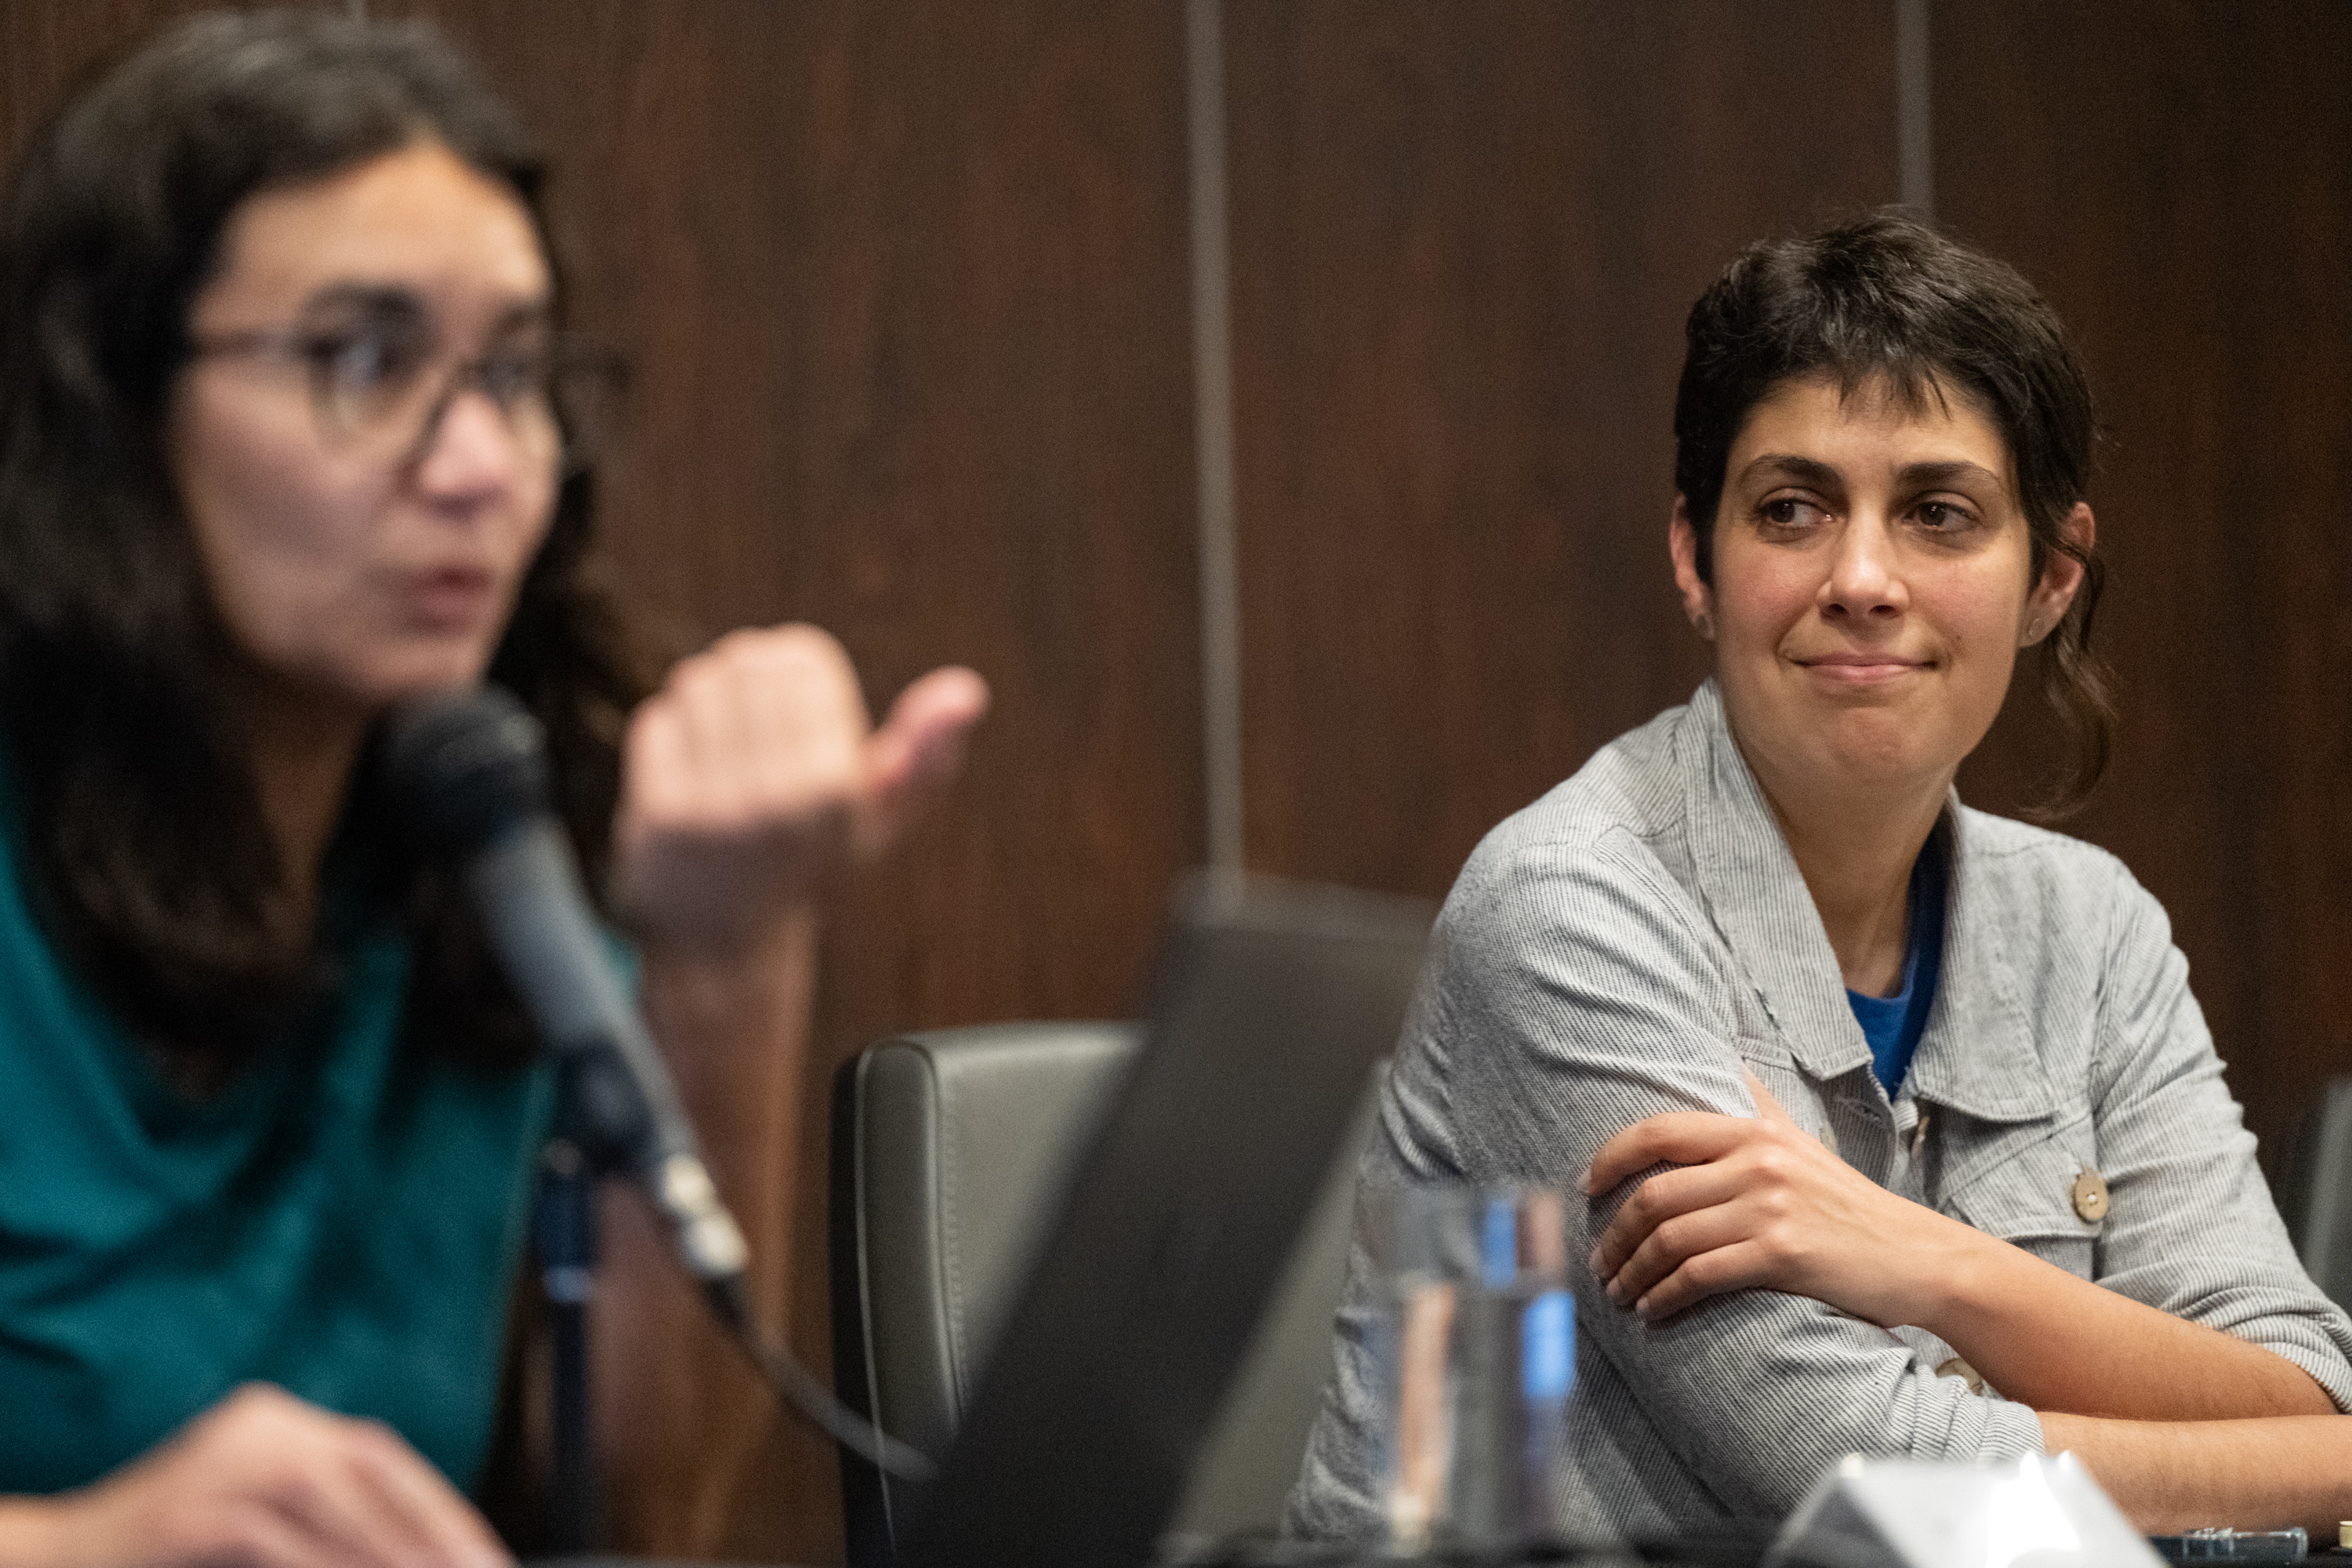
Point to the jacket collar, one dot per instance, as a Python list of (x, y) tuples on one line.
[(1976, 1055)]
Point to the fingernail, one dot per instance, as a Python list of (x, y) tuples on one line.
[(1592, 1263), (1584, 1182), (1642, 1307)]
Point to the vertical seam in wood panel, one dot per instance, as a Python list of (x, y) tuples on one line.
[(1915, 149), (1213, 420)]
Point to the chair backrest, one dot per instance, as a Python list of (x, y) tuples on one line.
[(2317, 1195), (950, 1151), (950, 1148)]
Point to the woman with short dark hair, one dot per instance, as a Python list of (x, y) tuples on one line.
[(290, 435), (1900, 1129)]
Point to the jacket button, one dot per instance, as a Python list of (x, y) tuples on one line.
[(2091, 1196)]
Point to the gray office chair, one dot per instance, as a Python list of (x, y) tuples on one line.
[(950, 1149), (2317, 1195)]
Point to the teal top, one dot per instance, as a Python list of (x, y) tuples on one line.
[(343, 1220)]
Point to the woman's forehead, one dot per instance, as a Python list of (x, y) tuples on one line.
[(418, 220)]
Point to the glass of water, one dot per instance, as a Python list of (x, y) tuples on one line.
[(1479, 1359)]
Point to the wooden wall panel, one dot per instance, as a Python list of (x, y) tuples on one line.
[(1464, 241), (906, 290), (47, 45), (2178, 179)]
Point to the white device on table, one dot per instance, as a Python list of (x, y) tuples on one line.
[(2031, 1513)]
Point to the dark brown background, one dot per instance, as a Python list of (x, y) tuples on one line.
[(908, 285)]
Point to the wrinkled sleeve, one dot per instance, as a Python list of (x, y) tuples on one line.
[(2190, 1225), (1575, 991)]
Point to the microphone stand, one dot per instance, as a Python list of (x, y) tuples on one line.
[(592, 1141), (563, 1232)]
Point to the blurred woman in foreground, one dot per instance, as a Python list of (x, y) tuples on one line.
[(289, 434)]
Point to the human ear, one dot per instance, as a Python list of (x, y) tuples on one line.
[(2061, 576), (1682, 544)]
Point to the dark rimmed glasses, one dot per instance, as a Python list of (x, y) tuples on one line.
[(382, 385)]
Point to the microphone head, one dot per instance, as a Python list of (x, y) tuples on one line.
[(465, 766)]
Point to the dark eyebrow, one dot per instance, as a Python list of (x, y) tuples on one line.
[(390, 301), (1913, 476), (526, 314), (1934, 476), (377, 299), (1804, 470)]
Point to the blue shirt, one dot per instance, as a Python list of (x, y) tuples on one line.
[(344, 1219), (1893, 1025)]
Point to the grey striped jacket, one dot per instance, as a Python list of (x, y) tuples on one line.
[(1621, 947)]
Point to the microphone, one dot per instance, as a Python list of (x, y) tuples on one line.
[(469, 770)]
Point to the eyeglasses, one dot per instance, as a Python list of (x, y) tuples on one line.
[(378, 384)]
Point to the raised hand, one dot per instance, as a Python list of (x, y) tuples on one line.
[(754, 773), (261, 1480), (1760, 1204)]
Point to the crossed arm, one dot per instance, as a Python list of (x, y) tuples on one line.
[(2184, 1425)]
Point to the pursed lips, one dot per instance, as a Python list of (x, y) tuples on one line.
[(1862, 667)]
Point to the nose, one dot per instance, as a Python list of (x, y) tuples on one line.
[(1865, 579), (468, 451)]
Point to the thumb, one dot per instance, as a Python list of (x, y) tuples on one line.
[(1765, 1106), (918, 747)]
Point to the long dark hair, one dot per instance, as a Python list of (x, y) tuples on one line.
[(1885, 296), (137, 815)]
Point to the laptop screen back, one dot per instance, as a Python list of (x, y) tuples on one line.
[(1273, 1002)]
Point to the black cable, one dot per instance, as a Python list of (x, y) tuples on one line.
[(796, 1386)]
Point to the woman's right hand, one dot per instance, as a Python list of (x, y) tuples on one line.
[(261, 1480), (1760, 1204), (754, 773)]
